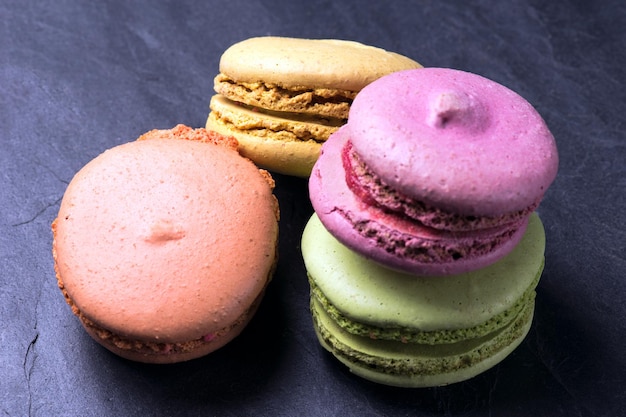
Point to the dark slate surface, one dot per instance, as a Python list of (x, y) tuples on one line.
[(77, 77)]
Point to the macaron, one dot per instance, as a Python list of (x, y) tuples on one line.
[(404, 330), (163, 247), (283, 97), (436, 172)]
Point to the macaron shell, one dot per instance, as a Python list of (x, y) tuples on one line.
[(343, 213), (367, 293), (418, 366), (166, 240), (172, 356), (289, 157), (321, 63), (454, 140)]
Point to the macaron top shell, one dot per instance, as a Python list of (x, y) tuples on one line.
[(368, 293), (397, 241), (455, 140), (166, 240), (319, 63)]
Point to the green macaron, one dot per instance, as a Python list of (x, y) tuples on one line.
[(413, 331)]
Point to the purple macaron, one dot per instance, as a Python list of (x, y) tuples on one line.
[(435, 173)]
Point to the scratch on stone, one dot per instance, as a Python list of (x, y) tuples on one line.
[(46, 207), (30, 356), (492, 389), (39, 213), (28, 367), (51, 171), (554, 367)]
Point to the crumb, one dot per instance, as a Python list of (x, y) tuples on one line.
[(185, 132)]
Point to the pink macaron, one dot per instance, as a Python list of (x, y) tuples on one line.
[(436, 171), (163, 247)]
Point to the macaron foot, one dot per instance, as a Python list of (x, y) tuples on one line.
[(414, 365)]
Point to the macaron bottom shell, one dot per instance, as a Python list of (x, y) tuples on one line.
[(168, 353), (416, 365), (287, 157)]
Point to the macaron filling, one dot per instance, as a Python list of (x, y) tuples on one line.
[(373, 190), (287, 126), (320, 101), (412, 240)]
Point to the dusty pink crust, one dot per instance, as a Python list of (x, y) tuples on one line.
[(166, 241), (395, 240), (454, 140)]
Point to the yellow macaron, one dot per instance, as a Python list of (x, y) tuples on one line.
[(281, 98)]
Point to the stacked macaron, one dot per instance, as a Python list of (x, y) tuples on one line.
[(281, 98), (425, 251)]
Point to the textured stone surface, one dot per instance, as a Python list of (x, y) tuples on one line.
[(79, 77)]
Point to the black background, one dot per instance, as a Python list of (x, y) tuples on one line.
[(78, 77)]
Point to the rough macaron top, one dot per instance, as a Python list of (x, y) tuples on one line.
[(320, 63), (454, 140), (155, 240)]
